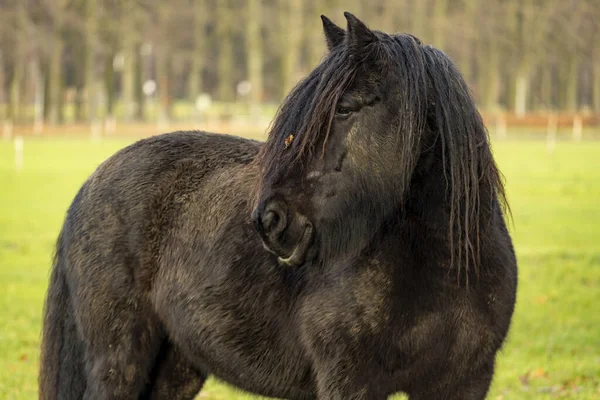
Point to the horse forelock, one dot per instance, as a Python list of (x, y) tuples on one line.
[(306, 115)]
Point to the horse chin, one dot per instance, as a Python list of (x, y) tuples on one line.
[(299, 254)]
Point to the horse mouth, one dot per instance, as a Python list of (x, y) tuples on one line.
[(298, 255)]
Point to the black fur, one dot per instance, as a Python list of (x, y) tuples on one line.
[(382, 261)]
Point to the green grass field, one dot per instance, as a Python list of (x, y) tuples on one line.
[(553, 350)]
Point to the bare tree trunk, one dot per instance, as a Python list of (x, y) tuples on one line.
[(109, 85), (61, 103), (38, 100), (89, 74), (491, 76), (439, 20), (79, 54), (199, 50), (314, 38), (546, 86), (572, 82), (521, 77), (254, 50), (128, 51), (521, 87), (128, 81), (482, 60), (16, 82), (2, 86), (596, 82), (466, 63), (596, 64), (54, 103), (291, 19), (418, 20), (163, 67), (79, 103), (139, 83), (14, 95), (224, 23)]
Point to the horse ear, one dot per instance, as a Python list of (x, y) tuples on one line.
[(334, 35), (359, 35)]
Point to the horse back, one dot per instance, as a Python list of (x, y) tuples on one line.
[(132, 198), (114, 228)]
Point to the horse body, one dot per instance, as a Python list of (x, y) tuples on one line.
[(352, 288)]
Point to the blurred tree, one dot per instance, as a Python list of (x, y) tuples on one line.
[(419, 22), (15, 21), (254, 49), (108, 49), (490, 54), (199, 44), (162, 18), (590, 40), (128, 11), (313, 38), (225, 33), (290, 32), (2, 84), (53, 14), (596, 66), (89, 76), (95, 55), (439, 20)]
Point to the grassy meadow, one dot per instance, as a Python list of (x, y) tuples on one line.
[(553, 350)]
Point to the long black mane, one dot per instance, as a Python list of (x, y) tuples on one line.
[(473, 181), (435, 101)]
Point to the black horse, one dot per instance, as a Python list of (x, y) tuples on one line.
[(382, 262)]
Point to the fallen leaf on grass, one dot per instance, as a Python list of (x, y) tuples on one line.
[(535, 374), (525, 379), (575, 382), (539, 373)]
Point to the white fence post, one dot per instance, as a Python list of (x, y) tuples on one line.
[(18, 142), (577, 128), (110, 125), (96, 130), (501, 126), (551, 133), (7, 129)]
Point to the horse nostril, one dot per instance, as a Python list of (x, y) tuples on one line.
[(274, 219), (271, 218)]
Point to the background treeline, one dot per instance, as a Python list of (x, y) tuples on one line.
[(83, 60)]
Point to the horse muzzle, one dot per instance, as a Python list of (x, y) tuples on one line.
[(286, 233)]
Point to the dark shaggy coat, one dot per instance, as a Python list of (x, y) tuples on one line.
[(360, 252)]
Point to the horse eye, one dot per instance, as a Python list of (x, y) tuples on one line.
[(342, 111)]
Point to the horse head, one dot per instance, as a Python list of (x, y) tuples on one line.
[(362, 140)]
